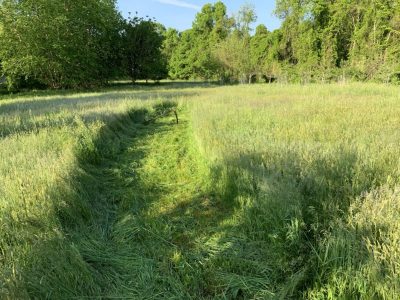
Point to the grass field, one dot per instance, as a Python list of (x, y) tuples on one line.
[(260, 192)]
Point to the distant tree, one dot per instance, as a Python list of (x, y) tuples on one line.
[(259, 46), (330, 40), (58, 43), (222, 23), (319, 40), (374, 51), (69, 43), (210, 26), (235, 53), (235, 57), (175, 48), (1, 33), (244, 18), (181, 63), (272, 66), (170, 43), (193, 56), (142, 49)]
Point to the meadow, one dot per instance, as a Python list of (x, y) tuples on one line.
[(260, 192)]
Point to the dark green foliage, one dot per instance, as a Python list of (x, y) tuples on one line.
[(142, 55), (318, 41), (339, 40), (192, 56), (181, 61), (56, 43), (76, 44)]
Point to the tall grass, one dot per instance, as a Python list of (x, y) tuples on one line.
[(260, 192), (316, 174)]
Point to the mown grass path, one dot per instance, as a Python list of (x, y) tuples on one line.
[(155, 213)]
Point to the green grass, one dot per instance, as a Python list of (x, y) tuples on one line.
[(260, 192)]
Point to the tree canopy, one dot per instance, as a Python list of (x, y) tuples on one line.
[(142, 53), (57, 43), (318, 41), (76, 44)]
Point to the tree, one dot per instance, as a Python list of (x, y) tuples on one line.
[(272, 67), (58, 43), (235, 53), (193, 56), (235, 58), (142, 49), (259, 47), (170, 43), (245, 17), (352, 38)]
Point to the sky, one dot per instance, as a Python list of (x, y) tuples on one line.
[(180, 14)]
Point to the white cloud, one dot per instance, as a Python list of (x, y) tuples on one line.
[(180, 4)]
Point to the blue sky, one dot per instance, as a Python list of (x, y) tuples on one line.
[(180, 14)]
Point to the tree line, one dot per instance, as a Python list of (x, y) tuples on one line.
[(78, 44), (318, 41)]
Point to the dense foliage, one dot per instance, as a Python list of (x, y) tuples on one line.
[(341, 39), (57, 43), (142, 56), (70, 44), (190, 52), (318, 41)]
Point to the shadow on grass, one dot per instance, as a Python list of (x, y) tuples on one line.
[(32, 116), (285, 211), (110, 244), (260, 231), (41, 105), (84, 261), (124, 86), (165, 84)]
